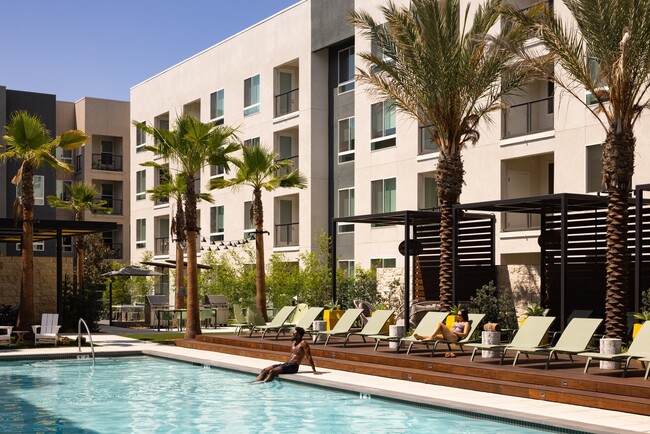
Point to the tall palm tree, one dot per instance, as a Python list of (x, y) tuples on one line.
[(605, 50), (259, 168), (28, 141), (189, 147), (444, 70), (174, 187), (82, 197)]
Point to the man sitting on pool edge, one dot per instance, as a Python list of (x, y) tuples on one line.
[(299, 349)]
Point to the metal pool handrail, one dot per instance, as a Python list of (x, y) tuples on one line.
[(92, 347)]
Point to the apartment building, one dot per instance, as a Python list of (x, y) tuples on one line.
[(288, 82)]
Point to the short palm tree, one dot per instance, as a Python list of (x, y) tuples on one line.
[(82, 197), (606, 51), (189, 147), (28, 141), (447, 72), (259, 168)]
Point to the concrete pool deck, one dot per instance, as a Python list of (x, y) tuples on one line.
[(522, 409)]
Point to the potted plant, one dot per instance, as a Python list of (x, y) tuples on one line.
[(642, 316), (533, 310), (332, 313)]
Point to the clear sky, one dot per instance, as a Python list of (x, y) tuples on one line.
[(101, 48)]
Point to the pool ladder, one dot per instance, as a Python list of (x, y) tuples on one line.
[(90, 337)]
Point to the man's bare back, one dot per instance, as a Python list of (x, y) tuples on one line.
[(299, 350)]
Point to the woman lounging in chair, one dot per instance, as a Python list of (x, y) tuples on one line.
[(458, 331)]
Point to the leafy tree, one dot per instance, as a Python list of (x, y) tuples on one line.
[(605, 49), (259, 168), (82, 198), (447, 71), (28, 141)]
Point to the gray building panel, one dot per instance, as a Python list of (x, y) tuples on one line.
[(329, 23)]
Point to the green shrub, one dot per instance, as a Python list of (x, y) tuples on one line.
[(497, 308)]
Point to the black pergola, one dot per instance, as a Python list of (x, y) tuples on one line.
[(572, 242), (421, 237), (11, 232)]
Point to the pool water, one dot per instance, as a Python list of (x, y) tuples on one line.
[(152, 395)]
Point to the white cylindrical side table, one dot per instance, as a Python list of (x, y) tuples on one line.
[(319, 326), (490, 338), (610, 346), (395, 331)]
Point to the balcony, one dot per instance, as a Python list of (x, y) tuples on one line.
[(286, 103), (105, 161), (115, 204), (164, 201), (116, 248), (287, 170), (528, 118), (161, 246), (286, 235)]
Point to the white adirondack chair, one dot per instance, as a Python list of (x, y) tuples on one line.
[(48, 330), (5, 335)]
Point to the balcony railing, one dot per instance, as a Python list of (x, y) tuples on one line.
[(286, 235), (164, 201), (161, 246), (105, 161), (286, 103), (528, 118), (287, 170), (116, 204)]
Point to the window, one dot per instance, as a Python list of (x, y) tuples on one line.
[(39, 190), (384, 195), (39, 246), (217, 171), (252, 95), (140, 233), (63, 189), (255, 141), (595, 168), (383, 263), (216, 223), (140, 139), (346, 70), (140, 185), (249, 227), (63, 155), (66, 244), (383, 119), (376, 48), (593, 66), (346, 208), (346, 140), (162, 176), (430, 193), (216, 106), (427, 145), (347, 265)]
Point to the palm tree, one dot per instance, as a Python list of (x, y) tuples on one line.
[(28, 141), (607, 52), (448, 74), (189, 147), (259, 168), (82, 198), (174, 187)]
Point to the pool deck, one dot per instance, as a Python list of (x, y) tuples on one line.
[(524, 409)]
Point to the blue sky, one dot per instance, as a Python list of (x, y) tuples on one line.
[(101, 48)]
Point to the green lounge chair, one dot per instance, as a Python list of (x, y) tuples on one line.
[(530, 334), (343, 326), (306, 320), (276, 323), (646, 362), (240, 318), (426, 326), (374, 325), (639, 349), (575, 339), (474, 321), (254, 318), (576, 313)]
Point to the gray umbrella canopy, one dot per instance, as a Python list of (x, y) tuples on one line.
[(133, 271)]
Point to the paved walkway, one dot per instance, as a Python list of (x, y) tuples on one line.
[(531, 410)]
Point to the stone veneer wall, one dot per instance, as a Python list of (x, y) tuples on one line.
[(44, 282)]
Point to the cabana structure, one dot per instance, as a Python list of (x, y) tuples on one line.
[(473, 250), (572, 247)]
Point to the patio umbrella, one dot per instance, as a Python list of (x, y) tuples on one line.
[(125, 271)]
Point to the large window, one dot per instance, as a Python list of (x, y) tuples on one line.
[(216, 223), (346, 140), (140, 185), (383, 129), (217, 171), (430, 193), (346, 208), (140, 233), (346, 70), (383, 263), (140, 139), (216, 106), (255, 141), (39, 190), (249, 226), (595, 168), (252, 95), (384, 195), (347, 265), (63, 189)]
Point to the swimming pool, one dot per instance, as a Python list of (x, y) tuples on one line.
[(148, 394)]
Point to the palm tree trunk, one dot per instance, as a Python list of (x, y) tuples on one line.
[(180, 267), (193, 326), (79, 247), (260, 278), (449, 179), (26, 312)]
